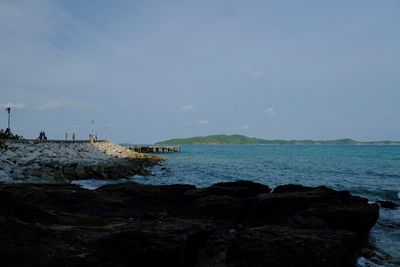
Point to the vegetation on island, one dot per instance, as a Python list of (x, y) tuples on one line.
[(241, 139)]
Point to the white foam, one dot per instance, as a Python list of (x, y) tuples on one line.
[(93, 184), (363, 262)]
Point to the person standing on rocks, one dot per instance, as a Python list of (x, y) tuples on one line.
[(73, 136), (66, 136)]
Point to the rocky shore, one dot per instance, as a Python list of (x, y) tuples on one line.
[(227, 224), (60, 162)]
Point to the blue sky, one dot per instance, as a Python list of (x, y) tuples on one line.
[(153, 70)]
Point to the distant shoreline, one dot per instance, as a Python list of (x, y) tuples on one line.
[(316, 144), (244, 140)]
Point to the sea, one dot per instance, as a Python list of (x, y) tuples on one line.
[(370, 171)]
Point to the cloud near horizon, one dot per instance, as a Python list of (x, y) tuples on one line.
[(270, 111), (202, 122), (258, 73), (80, 125), (253, 71), (242, 127), (16, 105), (50, 105), (188, 108)]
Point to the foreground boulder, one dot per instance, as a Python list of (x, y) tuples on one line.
[(287, 246), (227, 224)]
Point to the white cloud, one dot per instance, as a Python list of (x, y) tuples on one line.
[(270, 111), (252, 71), (243, 127), (50, 105), (202, 122), (258, 73), (245, 69), (188, 108), (17, 105), (81, 125)]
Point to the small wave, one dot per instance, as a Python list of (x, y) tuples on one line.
[(363, 262), (376, 257), (94, 184), (377, 194), (381, 175)]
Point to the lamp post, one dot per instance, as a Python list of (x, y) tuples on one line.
[(92, 133), (8, 109)]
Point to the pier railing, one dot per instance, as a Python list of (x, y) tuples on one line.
[(155, 149)]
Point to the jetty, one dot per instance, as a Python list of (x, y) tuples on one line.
[(54, 141), (61, 161), (155, 149)]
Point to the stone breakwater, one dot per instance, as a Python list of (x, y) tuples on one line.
[(227, 224), (59, 162)]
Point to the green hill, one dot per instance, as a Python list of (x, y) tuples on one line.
[(241, 139), (215, 139)]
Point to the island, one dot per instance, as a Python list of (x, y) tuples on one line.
[(242, 139)]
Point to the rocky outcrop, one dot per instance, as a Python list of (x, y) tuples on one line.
[(387, 204), (227, 224), (58, 162)]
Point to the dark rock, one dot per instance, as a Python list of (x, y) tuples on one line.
[(356, 217), (11, 206), (387, 204), (239, 189), (318, 206), (227, 224), (283, 246), (218, 207), (167, 243), (290, 188)]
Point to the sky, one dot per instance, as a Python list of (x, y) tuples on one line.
[(146, 71)]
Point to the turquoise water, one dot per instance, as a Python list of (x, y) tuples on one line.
[(371, 171)]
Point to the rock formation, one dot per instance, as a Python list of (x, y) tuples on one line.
[(227, 224), (58, 162)]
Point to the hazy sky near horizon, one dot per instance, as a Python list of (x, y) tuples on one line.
[(154, 70)]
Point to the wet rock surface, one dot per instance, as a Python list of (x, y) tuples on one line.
[(60, 162), (387, 204), (227, 224)]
